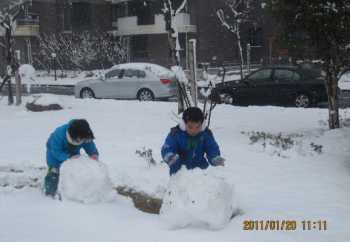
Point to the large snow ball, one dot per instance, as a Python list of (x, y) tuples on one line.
[(26, 71), (86, 181), (198, 198)]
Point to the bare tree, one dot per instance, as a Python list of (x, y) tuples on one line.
[(171, 8), (9, 12), (236, 13)]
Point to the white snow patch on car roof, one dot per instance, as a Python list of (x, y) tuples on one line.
[(154, 68)]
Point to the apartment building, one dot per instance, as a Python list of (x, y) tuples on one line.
[(139, 22)]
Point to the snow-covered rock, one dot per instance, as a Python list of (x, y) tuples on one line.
[(86, 181), (198, 198)]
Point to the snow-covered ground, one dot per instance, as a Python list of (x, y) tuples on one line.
[(270, 183)]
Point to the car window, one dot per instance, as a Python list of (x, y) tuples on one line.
[(114, 73), (261, 75), (141, 74), (134, 73), (286, 76), (296, 76), (130, 73)]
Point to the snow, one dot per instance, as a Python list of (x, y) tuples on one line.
[(26, 72), (69, 78), (295, 186), (46, 99), (86, 181), (344, 81), (156, 69), (205, 202), (180, 74)]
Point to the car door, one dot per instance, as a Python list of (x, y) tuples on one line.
[(103, 88), (256, 89), (111, 87), (132, 80), (285, 85)]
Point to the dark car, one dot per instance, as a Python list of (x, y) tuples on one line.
[(276, 85)]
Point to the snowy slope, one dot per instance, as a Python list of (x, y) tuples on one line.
[(304, 185)]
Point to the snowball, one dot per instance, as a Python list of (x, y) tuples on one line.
[(198, 198), (26, 71), (86, 181)]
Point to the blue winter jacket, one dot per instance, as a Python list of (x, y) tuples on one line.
[(59, 150), (194, 152)]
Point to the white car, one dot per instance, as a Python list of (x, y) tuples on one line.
[(143, 81)]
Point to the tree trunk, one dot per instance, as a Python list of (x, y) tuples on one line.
[(18, 89), (10, 95), (174, 60), (238, 35), (333, 102)]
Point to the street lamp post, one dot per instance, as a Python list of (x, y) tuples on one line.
[(53, 55)]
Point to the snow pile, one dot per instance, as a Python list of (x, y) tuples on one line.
[(26, 72), (198, 198), (86, 181), (46, 99)]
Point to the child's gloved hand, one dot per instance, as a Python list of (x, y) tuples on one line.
[(218, 161), (172, 159), (94, 157)]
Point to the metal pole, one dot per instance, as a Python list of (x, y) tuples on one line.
[(248, 57), (55, 69), (194, 88)]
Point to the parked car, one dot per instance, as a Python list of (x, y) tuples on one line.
[(143, 81), (275, 85)]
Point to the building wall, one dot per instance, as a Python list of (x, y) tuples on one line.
[(213, 39)]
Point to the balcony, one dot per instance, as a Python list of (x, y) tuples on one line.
[(130, 26), (28, 25)]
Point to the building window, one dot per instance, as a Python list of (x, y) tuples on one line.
[(67, 16), (145, 13), (140, 46), (81, 15)]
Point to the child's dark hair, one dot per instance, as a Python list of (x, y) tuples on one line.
[(193, 114), (80, 129)]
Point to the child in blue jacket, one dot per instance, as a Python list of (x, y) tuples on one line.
[(65, 143), (191, 144)]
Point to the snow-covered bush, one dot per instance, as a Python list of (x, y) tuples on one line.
[(280, 144), (86, 181), (198, 198), (83, 51)]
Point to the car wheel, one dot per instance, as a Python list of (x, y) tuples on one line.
[(87, 93), (145, 95), (302, 101)]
